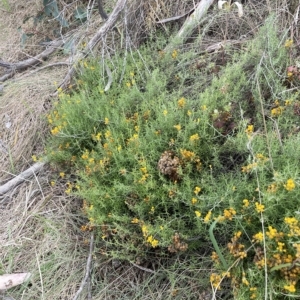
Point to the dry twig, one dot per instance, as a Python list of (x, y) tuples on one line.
[(21, 177), (88, 269), (14, 67)]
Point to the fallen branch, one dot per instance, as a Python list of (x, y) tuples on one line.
[(108, 25), (174, 18), (190, 24), (88, 269), (8, 281), (142, 268), (19, 66), (21, 177)]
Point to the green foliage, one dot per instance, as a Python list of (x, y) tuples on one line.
[(162, 170), (51, 9)]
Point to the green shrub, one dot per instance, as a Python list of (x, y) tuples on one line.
[(164, 170)]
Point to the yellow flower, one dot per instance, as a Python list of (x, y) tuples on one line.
[(174, 54), (258, 236), (165, 112), (259, 207), (290, 288), (62, 174), (280, 247), (215, 280), (197, 190), (272, 232), (131, 74), (272, 188), (52, 183), (249, 129), (34, 158), (198, 213), (204, 107), (290, 185), (135, 221), (244, 279), (194, 201), (55, 131), (189, 113), (194, 137), (229, 213), (246, 203), (178, 127), (144, 170), (152, 241), (288, 43), (107, 134), (181, 102), (187, 155), (277, 111), (287, 102), (207, 217), (128, 84), (214, 257), (106, 121)]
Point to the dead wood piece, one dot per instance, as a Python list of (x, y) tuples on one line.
[(88, 269), (22, 65), (190, 24), (108, 25), (175, 18), (8, 281), (21, 177)]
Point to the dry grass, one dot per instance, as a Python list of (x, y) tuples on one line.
[(39, 229)]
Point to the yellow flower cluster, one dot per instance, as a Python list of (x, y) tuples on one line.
[(215, 280), (290, 185), (290, 288), (246, 203), (145, 174), (229, 213), (244, 279), (249, 130), (235, 248), (187, 155), (207, 217), (178, 127), (249, 168), (253, 294), (197, 190), (259, 207), (277, 111), (195, 137), (153, 242), (272, 233), (194, 201), (149, 238), (181, 102), (258, 237), (294, 228), (174, 54), (198, 213), (288, 43)]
